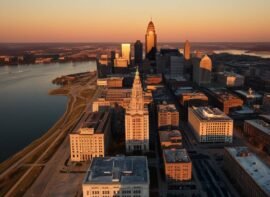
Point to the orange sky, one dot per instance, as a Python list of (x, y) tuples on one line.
[(126, 20)]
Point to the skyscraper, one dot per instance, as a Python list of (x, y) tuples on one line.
[(137, 119), (202, 70), (138, 52), (150, 38), (187, 50), (126, 52)]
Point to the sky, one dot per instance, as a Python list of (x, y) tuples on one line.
[(126, 20)]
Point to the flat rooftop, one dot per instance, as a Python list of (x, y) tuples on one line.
[(223, 94), (248, 94), (119, 169), (95, 120), (253, 166), (168, 135), (167, 108), (176, 155), (212, 114), (260, 124)]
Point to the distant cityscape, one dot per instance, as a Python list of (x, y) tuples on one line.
[(154, 119)]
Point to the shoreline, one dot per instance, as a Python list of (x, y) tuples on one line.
[(34, 156)]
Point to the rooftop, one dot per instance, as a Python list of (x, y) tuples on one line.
[(261, 125), (96, 121), (176, 155), (119, 169), (223, 94), (169, 135), (167, 108), (253, 166), (248, 93), (207, 113)]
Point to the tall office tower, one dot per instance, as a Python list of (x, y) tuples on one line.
[(202, 70), (176, 66), (126, 52), (137, 119), (187, 50), (138, 52), (150, 38)]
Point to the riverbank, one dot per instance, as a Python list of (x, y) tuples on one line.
[(19, 172)]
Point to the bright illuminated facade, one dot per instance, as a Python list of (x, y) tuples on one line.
[(137, 120), (178, 166), (210, 125), (168, 116), (92, 138), (126, 52), (187, 50), (202, 70), (150, 37)]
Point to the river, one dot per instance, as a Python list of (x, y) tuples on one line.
[(26, 109)]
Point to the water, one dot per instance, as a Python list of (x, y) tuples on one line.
[(262, 54), (26, 109)]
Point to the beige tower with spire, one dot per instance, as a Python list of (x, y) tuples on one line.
[(137, 120), (150, 37)]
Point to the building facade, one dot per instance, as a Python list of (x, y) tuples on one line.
[(126, 52), (168, 116), (177, 165), (249, 173), (150, 38), (137, 119), (138, 52), (210, 125), (170, 139), (92, 138), (117, 176), (187, 50), (202, 70)]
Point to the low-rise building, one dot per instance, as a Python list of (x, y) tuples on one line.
[(250, 97), (223, 99), (177, 165), (117, 176), (170, 139), (193, 98), (168, 116), (210, 125), (249, 173), (258, 132), (92, 137), (230, 79)]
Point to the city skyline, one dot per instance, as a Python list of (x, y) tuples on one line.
[(211, 21)]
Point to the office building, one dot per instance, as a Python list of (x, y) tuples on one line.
[(258, 132), (126, 52), (248, 172), (168, 116), (202, 70), (92, 138), (117, 176), (266, 102), (224, 99), (210, 125), (137, 119), (177, 164), (193, 98), (121, 62), (230, 79), (250, 97), (187, 50), (176, 66), (170, 139), (138, 52), (150, 38)]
